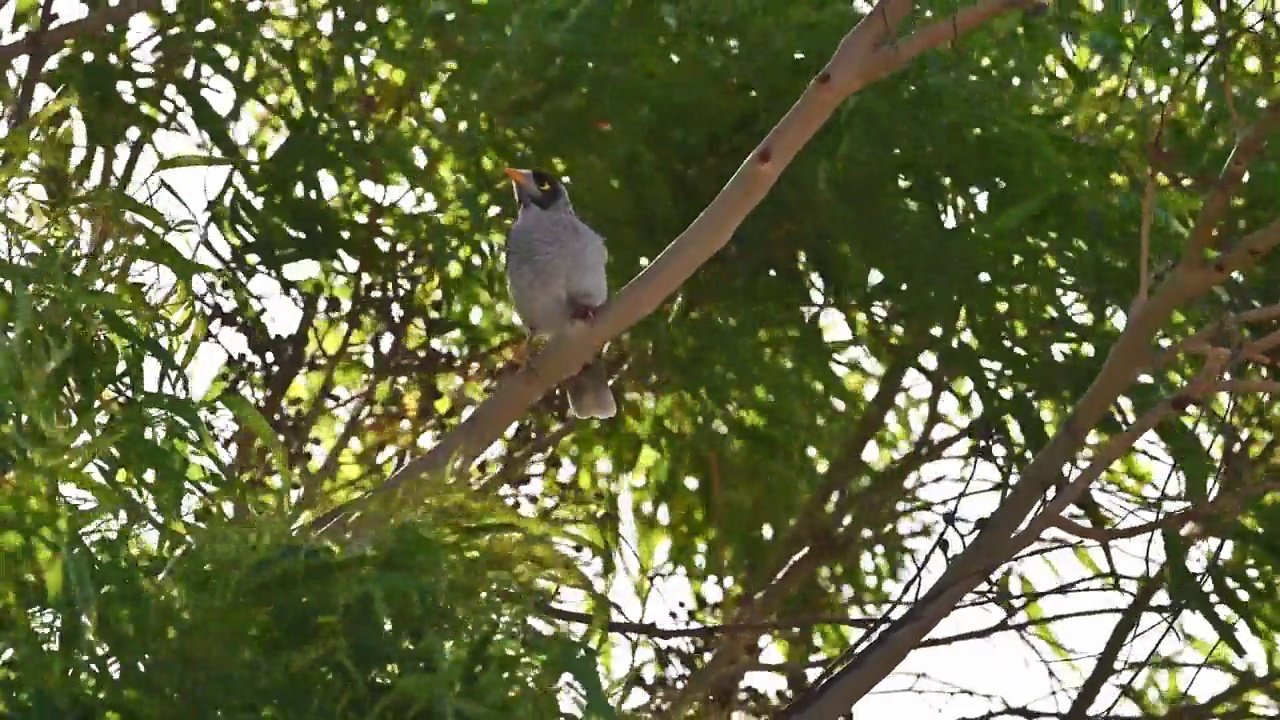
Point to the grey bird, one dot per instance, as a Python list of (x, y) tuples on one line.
[(555, 272)]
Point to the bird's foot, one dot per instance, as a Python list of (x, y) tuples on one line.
[(521, 352), (583, 312), (531, 368), (522, 357)]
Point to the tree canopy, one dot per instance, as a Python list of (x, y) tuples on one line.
[(1000, 345)]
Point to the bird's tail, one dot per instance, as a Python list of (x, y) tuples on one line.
[(589, 393)]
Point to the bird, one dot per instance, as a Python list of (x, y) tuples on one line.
[(556, 275)]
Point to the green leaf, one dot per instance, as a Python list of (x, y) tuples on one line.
[(249, 416), (1185, 587), (583, 664), (182, 161)]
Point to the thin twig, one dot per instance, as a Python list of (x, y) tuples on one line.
[(1116, 448), (705, 631), (1128, 356), (1107, 535), (1236, 123), (1199, 342), (516, 463), (1104, 668), (1225, 504)]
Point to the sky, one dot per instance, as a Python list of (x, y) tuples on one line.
[(1001, 666)]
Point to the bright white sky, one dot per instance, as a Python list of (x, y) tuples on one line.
[(1002, 666)]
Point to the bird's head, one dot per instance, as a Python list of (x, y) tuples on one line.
[(539, 189)]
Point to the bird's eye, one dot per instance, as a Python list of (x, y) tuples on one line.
[(544, 186)]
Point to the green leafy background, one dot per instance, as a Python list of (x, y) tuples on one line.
[(253, 264)]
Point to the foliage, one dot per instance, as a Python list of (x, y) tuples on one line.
[(253, 265)]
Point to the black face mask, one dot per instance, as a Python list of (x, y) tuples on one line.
[(544, 199)]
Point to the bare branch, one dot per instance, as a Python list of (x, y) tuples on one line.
[(1115, 449), (1106, 535), (1249, 386), (1119, 446), (1209, 710), (1265, 343), (705, 631), (1103, 668), (1144, 241), (893, 56), (1249, 250), (1130, 354), (1204, 233), (1199, 342), (1007, 625)]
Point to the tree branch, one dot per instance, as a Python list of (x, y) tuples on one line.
[(1198, 342), (1265, 343), (1007, 625), (1148, 214), (1104, 667), (1116, 448), (818, 541), (995, 544), (863, 56), (1208, 710), (705, 631), (95, 23), (1226, 504), (1204, 233), (1144, 241), (1249, 386), (1106, 535), (35, 65)]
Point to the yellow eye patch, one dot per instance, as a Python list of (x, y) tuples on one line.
[(544, 186)]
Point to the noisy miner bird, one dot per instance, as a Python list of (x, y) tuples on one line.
[(555, 272)]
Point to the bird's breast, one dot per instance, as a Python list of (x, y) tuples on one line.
[(550, 260)]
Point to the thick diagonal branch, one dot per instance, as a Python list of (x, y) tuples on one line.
[(865, 55), (995, 544)]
